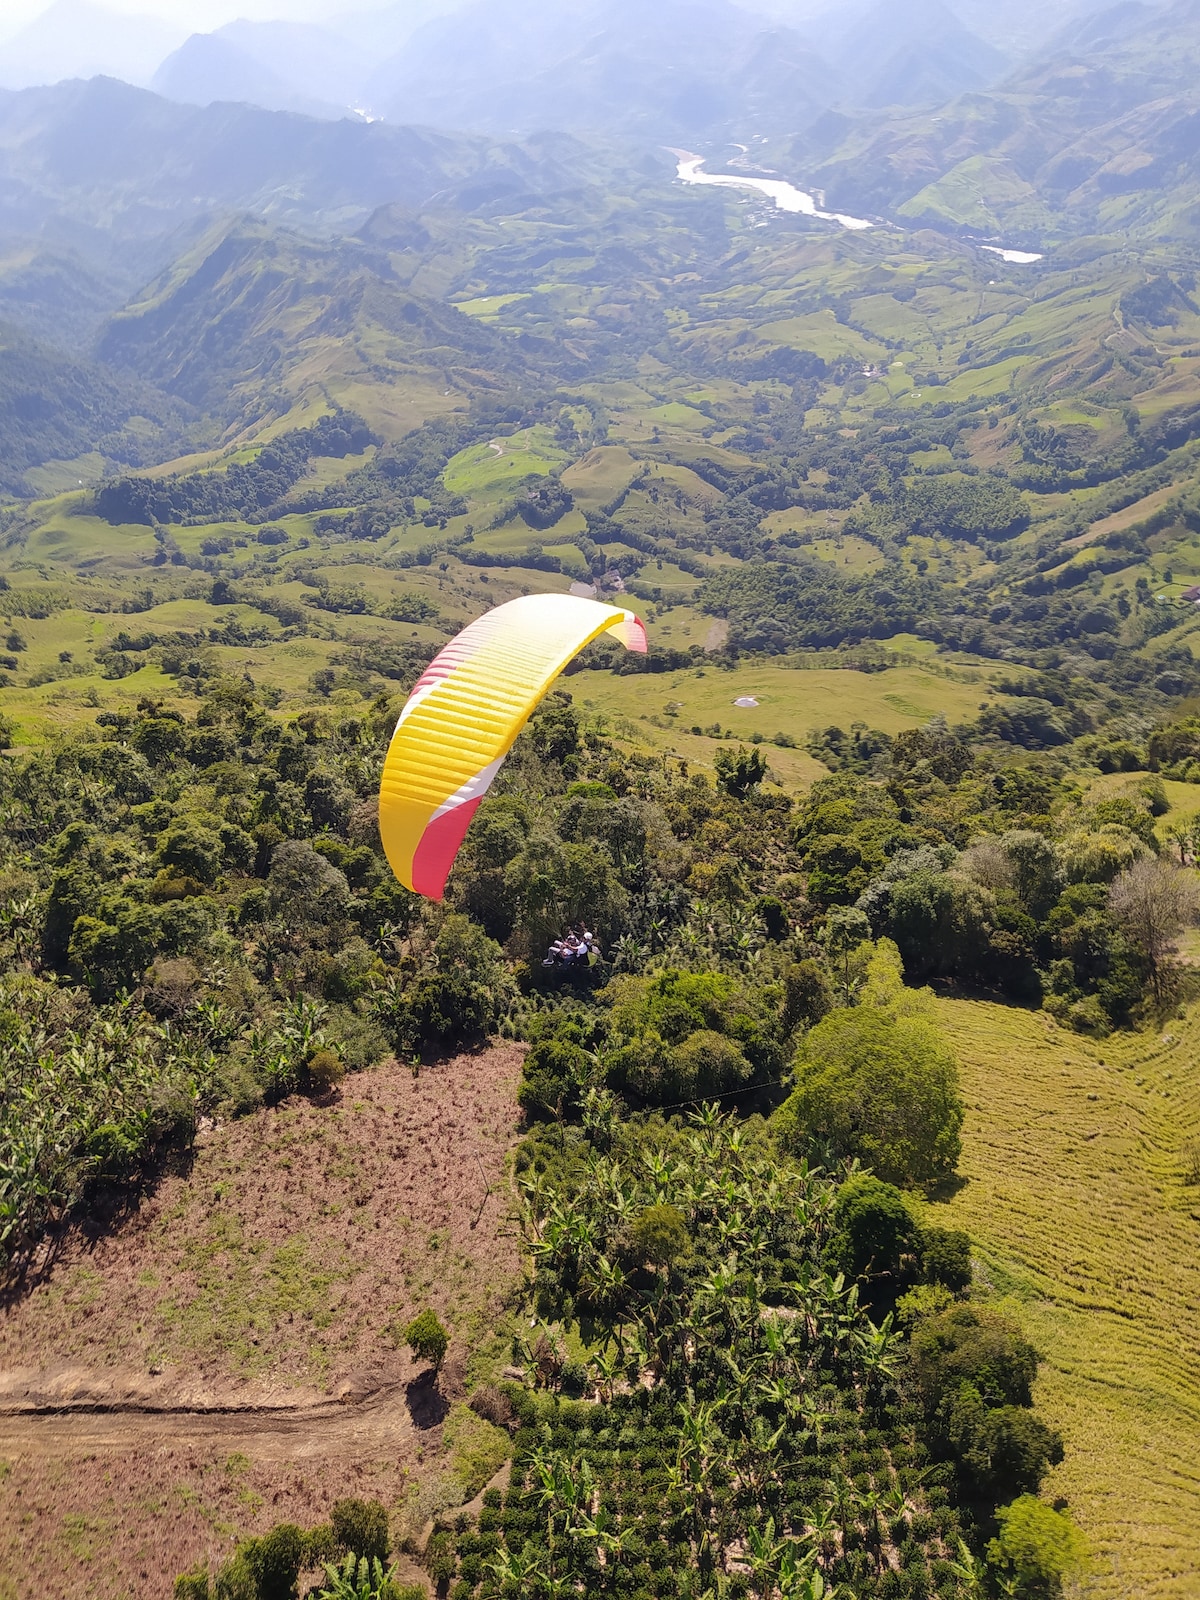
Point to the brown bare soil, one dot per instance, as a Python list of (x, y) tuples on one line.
[(229, 1355)]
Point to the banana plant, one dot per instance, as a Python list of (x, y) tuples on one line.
[(358, 1579)]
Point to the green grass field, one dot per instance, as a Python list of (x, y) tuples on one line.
[(1075, 1154), (791, 700)]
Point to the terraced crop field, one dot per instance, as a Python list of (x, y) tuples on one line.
[(1077, 1161)]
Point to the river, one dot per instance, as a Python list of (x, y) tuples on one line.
[(788, 198), (785, 195)]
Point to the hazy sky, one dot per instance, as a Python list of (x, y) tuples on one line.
[(194, 15)]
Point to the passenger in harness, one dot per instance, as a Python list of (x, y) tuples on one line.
[(578, 947)]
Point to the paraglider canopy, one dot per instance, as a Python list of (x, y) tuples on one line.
[(460, 722)]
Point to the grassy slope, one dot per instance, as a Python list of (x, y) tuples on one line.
[(191, 1344), (1074, 1155)]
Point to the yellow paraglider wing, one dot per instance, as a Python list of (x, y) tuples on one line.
[(460, 722)]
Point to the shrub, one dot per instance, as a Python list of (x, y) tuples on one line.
[(659, 1236), (235, 1581), (876, 1233), (1036, 1550), (708, 1064), (494, 1406), (360, 1528), (555, 1070), (427, 1339), (320, 1545), (274, 1561), (877, 1081), (192, 1585), (323, 1072), (441, 1562)]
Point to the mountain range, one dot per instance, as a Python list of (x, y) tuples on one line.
[(1099, 132), (675, 68)]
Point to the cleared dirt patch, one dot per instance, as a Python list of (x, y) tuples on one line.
[(228, 1357)]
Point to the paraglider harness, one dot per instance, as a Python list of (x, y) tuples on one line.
[(576, 950)]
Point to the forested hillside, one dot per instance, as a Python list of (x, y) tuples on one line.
[(784, 1251)]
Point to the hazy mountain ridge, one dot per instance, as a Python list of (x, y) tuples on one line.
[(1099, 134), (75, 38), (209, 68), (227, 327), (101, 179), (54, 407), (683, 67)]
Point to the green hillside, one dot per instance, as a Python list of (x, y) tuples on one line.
[(889, 846), (1079, 1172), (1094, 135)]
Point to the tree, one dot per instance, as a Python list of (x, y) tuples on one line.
[(659, 1236), (1152, 903), (740, 771), (968, 1344), (878, 1082), (946, 1257), (427, 1339), (846, 928), (303, 885), (875, 1229), (806, 994), (461, 987), (1098, 855), (1183, 832), (360, 1527), (1036, 1549)]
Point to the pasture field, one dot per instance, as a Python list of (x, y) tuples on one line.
[(792, 700), (1079, 1192)]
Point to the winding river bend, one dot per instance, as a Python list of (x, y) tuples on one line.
[(788, 198), (785, 195)]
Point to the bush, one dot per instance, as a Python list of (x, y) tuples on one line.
[(877, 1081), (441, 1562), (360, 1528), (659, 1236), (235, 1581), (320, 1545), (427, 1339), (274, 1561), (875, 1231), (323, 1072), (1036, 1550), (192, 1585), (708, 1064), (555, 1070), (946, 1258)]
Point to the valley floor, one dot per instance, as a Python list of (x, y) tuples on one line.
[(1075, 1159)]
